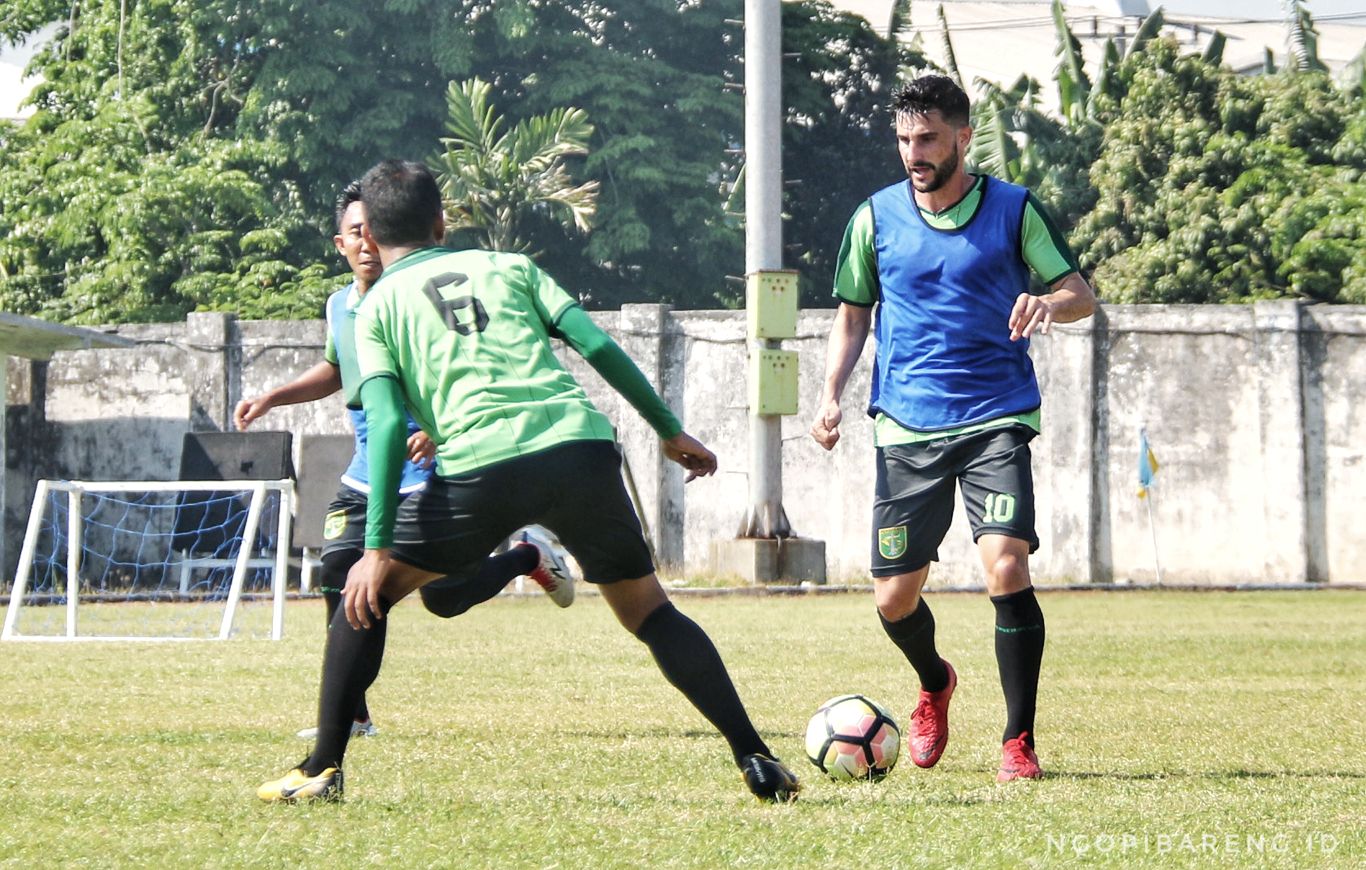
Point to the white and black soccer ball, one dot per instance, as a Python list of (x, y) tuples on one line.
[(852, 737)]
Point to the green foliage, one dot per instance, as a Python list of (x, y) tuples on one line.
[(314, 93), (1213, 187), (97, 227), (838, 145), (1074, 86), (146, 184), (184, 154), (494, 180), (651, 75)]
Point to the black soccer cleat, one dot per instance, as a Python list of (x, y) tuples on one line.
[(769, 779)]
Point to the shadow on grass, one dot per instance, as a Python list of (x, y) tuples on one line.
[(1206, 774), (836, 799)]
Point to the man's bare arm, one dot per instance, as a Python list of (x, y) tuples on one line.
[(847, 337), (1071, 299), (320, 381)]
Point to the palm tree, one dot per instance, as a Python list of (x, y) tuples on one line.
[(495, 180)]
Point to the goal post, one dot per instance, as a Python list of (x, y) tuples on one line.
[(152, 560)]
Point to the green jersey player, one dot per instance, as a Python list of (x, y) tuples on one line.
[(344, 523), (462, 338)]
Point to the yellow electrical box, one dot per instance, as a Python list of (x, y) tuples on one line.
[(773, 381), (771, 300)]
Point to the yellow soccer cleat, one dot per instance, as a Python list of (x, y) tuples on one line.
[(299, 786)]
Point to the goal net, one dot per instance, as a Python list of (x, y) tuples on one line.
[(140, 560)]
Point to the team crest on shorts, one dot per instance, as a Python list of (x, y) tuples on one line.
[(333, 525), (891, 543)]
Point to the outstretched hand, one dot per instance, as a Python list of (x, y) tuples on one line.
[(248, 410), (690, 453), (1030, 314)]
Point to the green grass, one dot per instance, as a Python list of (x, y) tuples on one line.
[(1208, 729)]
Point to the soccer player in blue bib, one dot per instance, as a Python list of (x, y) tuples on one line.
[(344, 523), (939, 266)]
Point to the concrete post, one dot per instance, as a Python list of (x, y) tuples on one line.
[(210, 336), (1281, 424), (1066, 454), (642, 335)]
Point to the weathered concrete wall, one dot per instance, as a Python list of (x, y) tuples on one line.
[(1253, 412)]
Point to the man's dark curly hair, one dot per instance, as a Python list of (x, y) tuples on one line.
[(349, 194), (923, 95)]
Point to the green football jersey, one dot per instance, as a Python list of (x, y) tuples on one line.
[(467, 336)]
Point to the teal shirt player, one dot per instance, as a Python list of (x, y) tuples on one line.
[(341, 325), (943, 360)]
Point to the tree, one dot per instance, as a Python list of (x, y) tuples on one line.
[(838, 140), (186, 153), (1210, 184), (652, 75), (495, 180)]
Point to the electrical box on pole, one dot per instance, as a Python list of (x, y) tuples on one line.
[(771, 301), (773, 382)]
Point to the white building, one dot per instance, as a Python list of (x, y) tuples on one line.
[(998, 41)]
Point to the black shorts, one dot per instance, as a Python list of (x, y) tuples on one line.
[(573, 489), (913, 503), (344, 533), (344, 522)]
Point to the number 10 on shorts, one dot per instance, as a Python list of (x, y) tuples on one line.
[(999, 508)]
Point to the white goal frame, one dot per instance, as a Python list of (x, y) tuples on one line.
[(187, 563)]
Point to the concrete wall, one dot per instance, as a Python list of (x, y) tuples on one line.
[(1253, 411)]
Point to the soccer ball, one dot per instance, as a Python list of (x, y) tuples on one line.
[(851, 737)]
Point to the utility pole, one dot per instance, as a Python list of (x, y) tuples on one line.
[(766, 550), (764, 243)]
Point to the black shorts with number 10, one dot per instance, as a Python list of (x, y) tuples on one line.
[(913, 501)]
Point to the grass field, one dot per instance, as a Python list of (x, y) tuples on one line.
[(1209, 729)]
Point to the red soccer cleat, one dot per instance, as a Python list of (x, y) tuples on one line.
[(930, 723), (1018, 760)]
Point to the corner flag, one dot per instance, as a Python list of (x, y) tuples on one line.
[(1147, 464)]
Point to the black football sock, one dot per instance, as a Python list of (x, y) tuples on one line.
[(691, 664), (1019, 655), (332, 579), (452, 596), (914, 636), (350, 664)]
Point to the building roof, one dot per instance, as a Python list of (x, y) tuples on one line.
[(38, 339)]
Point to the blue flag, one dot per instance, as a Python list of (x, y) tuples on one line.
[(1147, 464)]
